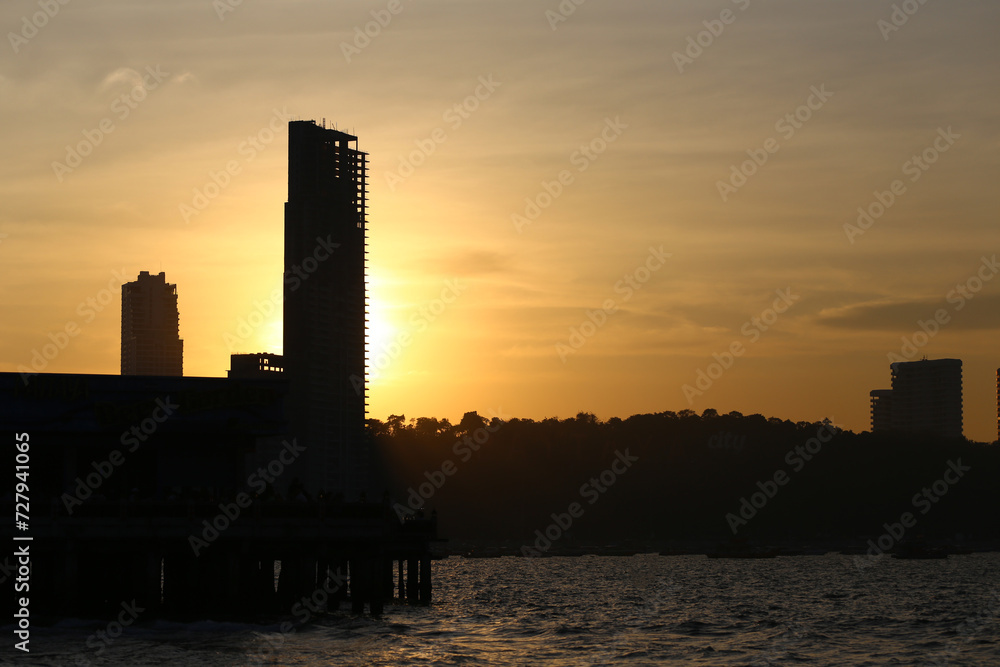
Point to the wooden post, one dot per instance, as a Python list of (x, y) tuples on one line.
[(264, 586), (376, 573), (71, 583), (338, 573), (412, 580), (152, 581), (388, 580), (358, 584), (425, 579)]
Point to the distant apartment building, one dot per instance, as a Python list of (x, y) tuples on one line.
[(926, 397), (881, 400), (151, 343)]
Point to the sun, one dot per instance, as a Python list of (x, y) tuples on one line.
[(379, 334), (272, 334)]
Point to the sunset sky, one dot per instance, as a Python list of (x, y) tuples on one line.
[(471, 113)]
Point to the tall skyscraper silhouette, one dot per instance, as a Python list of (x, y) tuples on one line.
[(324, 306), (151, 343)]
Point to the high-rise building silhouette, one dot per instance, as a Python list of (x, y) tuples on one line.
[(151, 344), (325, 306), (926, 397)]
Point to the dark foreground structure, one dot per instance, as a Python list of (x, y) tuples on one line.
[(188, 496), (268, 560), (175, 493)]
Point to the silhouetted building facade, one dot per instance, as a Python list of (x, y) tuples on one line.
[(151, 343), (260, 365), (881, 410), (159, 432), (324, 306), (926, 397)]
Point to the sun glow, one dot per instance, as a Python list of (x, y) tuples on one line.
[(379, 335), (272, 335)]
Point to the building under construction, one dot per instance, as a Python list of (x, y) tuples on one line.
[(325, 306)]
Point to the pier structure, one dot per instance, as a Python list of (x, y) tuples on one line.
[(285, 560), (178, 495)]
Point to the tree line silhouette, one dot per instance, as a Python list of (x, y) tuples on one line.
[(693, 475)]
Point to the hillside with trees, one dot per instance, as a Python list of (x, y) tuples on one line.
[(664, 477)]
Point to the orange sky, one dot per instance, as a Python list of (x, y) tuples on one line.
[(622, 131)]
